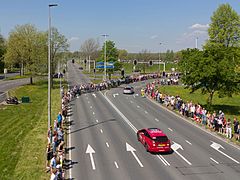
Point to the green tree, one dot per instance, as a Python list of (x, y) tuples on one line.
[(145, 57), (224, 28), (2, 52), (216, 68), (111, 56), (26, 48), (122, 54), (59, 43)]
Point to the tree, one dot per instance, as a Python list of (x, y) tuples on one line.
[(144, 56), (216, 68), (26, 48), (111, 56), (90, 47), (224, 28), (122, 54), (2, 52), (59, 43)]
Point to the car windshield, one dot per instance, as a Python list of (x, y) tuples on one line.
[(160, 139), (128, 88)]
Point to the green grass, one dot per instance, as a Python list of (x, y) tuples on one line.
[(229, 105), (23, 133)]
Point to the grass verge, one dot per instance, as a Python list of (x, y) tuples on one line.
[(23, 133)]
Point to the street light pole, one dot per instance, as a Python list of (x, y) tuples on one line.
[(49, 63), (159, 59), (105, 56)]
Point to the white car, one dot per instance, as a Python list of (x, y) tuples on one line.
[(128, 90)]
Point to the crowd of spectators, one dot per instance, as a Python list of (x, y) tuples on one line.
[(215, 120), (55, 149)]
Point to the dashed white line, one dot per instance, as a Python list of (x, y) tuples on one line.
[(188, 142), (131, 101), (96, 120), (101, 130), (170, 129), (214, 160), (88, 102), (91, 107), (93, 113), (156, 120), (107, 144), (116, 164), (164, 161), (145, 112), (138, 106)]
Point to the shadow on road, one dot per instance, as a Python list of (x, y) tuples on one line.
[(92, 125)]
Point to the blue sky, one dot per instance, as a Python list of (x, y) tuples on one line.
[(133, 25)]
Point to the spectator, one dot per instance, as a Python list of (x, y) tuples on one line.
[(59, 119), (49, 156), (229, 129), (53, 174), (238, 136), (235, 127), (53, 162)]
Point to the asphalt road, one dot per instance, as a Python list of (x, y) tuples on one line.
[(103, 143), (10, 84)]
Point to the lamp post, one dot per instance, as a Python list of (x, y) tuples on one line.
[(49, 63), (159, 59), (105, 56)]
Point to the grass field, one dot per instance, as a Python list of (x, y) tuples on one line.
[(229, 105), (23, 133)]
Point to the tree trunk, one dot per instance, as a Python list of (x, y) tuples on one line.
[(210, 98), (31, 80)]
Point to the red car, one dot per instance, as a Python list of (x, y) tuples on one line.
[(154, 140)]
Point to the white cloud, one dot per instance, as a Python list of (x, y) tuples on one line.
[(154, 37), (197, 26), (188, 38), (73, 39)]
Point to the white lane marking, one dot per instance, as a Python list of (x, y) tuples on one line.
[(90, 151), (131, 149), (70, 145), (96, 120), (170, 129), (131, 101), (121, 114), (85, 94), (114, 95), (93, 113), (197, 126), (131, 125), (116, 164), (138, 106), (177, 146), (88, 102), (94, 95), (107, 144), (217, 146), (145, 112), (164, 161), (101, 130), (91, 107), (214, 160), (188, 142), (156, 120)]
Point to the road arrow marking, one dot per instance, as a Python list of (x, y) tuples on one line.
[(177, 146), (217, 146), (94, 95), (90, 151), (130, 148), (114, 95)]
